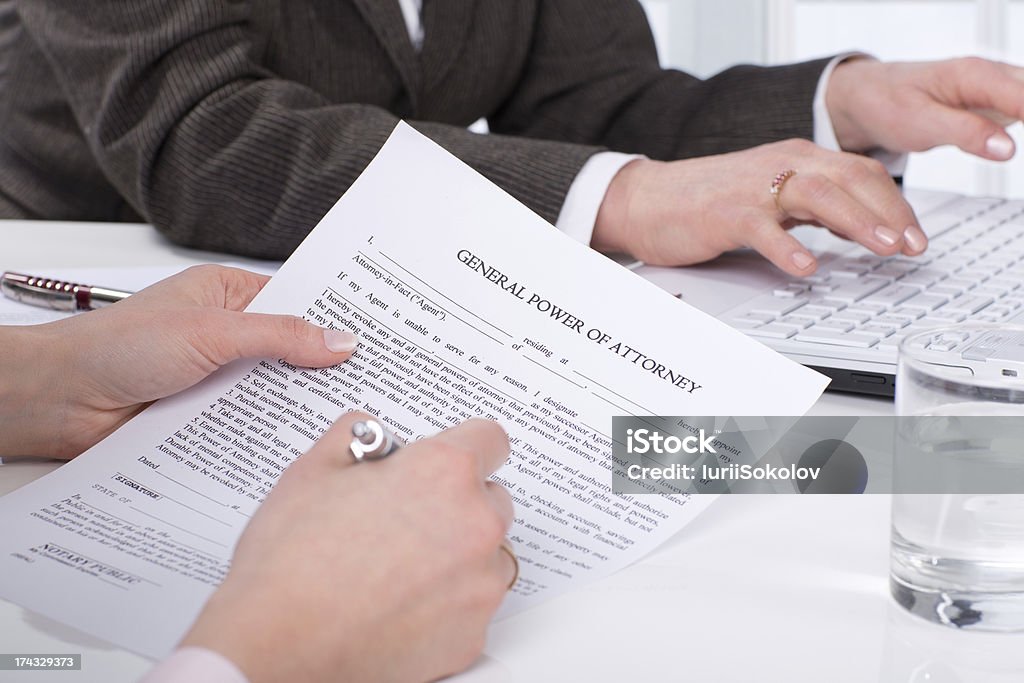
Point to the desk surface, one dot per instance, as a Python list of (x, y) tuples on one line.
[(769, 588)]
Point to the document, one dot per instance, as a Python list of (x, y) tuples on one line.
[(466, 304)]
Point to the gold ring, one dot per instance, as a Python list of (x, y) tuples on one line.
[(776, 188), (507, 547)]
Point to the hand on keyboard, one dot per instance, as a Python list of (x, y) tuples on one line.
[(690, 211), (974, 271), (912, 107)]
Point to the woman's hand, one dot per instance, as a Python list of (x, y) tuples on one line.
[(388, 570), (912, 107), (69, 384), (686, 212)]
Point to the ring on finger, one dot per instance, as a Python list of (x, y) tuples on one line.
[(776, 189), (507, 548)]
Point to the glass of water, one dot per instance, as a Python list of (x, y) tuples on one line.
[(957, 552)]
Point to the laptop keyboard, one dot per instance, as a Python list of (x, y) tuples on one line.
[(973, 270)]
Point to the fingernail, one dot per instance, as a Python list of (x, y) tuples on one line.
[(1000, 146), (340, 341), (802, 260), (915, 239), (887, 236)]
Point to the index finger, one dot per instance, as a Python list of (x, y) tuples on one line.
[(484, 438), (992, 85), (206, 285), (869, 183)]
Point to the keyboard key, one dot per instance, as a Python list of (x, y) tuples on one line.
[(1007, 257), (853, 316), (790, 291), (907, 312), (890, 345), (871, 260), (994, 292), (925, 302), (968, 304), (838, 338), (950, 292), (772, 305), (895, 269), (962, 283), (754, 319), (849, 270), (833, 325), (772, 331), (943, 317), (951, 263), (935, 224), (941, 345), (852, 291), (892, 295), (880, 331), (828, 302), (891, 321), (816, 312), (975, 275), (922, 260), (1010, 302), (914, 329), (1006, 284), (873, 309), (925, 277), (797, 321)]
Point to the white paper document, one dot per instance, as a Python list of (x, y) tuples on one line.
[(466, 304)]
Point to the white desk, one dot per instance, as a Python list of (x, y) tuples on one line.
[(759, 588)]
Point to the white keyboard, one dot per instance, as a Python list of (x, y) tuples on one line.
[(973, 270)]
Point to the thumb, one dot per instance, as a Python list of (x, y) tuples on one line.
[(229, 335)]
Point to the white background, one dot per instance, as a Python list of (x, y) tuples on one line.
[(704, 36)]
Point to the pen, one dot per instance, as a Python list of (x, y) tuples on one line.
[(56, 294), (371, 441)]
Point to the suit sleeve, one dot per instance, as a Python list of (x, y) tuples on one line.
[(593, 77), (218, 152)]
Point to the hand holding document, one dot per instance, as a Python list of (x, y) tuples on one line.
[(467, 305)]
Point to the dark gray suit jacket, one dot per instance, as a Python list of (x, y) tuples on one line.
[(235, 124)]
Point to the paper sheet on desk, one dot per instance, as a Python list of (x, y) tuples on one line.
[(128, 541)]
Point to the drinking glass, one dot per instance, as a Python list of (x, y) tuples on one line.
[(957, 549)]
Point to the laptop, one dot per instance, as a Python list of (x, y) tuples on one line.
[(847, 320)]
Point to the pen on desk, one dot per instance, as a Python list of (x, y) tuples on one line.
[(56, 294)]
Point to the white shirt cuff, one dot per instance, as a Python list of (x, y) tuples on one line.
[(825, 134), (195, 665), (583, 201)]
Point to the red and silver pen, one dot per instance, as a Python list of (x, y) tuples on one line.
[(58, 295)]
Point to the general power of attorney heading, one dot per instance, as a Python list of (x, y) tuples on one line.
[(574, 323), (411, 259)]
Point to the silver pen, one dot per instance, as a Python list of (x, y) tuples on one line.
[(57, 294), (371, 441)]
